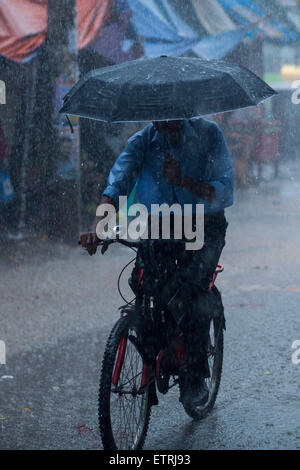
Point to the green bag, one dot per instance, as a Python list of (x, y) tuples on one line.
[(122, 214)]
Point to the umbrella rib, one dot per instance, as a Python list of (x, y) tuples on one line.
[(245, 91), (256, 77), (210, 67)]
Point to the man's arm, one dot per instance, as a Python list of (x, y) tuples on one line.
[(172, 173), (89, 240), (126, 169), (122, 178), (218, 187), (221, 173)]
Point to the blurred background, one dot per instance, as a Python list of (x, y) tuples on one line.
[(57, 304), (50, 178)]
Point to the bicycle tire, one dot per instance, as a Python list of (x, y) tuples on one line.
[(108, 431), (216, 372)]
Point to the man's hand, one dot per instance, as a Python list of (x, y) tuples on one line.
[(89, 240), (203, 190), (172, 171)]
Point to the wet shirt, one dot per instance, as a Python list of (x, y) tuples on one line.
[(202, 153)]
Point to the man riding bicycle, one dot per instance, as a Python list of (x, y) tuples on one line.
[(187, 162)]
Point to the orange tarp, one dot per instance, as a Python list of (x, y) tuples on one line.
[(23, 25)]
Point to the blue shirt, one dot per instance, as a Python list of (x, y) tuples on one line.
[(202, 153)]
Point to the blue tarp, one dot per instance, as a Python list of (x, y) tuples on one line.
[(264, 14), (165, 32), (218, 46), (152, 21)]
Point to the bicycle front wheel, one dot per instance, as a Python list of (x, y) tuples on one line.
[(124, 410)]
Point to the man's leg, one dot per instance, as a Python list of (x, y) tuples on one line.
[(195, 327), (198, 305)]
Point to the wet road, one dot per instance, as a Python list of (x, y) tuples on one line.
[(58, 305)]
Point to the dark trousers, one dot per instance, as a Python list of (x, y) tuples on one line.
[(198, 302)]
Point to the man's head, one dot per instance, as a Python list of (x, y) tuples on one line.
[(171, 130), (168, 126)]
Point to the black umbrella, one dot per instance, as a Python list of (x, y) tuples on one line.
[(164, 88)]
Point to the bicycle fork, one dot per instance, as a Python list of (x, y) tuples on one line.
[(147, 378)]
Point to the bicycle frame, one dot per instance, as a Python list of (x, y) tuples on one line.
[(178, 352), (119, 363)]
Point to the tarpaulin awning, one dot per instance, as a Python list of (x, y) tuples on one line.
[(227, 22), (213, 17), (223, 33), (165, 32), (269, 15), (23, 25), (157, 19), (219, 45), (209, 28), (287, 11), (118, 41)]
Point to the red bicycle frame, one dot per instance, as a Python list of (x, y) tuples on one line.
[(179, 348)]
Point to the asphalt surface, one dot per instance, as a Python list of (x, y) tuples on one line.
[(58, 304)]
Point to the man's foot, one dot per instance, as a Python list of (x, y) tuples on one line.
[(194, 392)]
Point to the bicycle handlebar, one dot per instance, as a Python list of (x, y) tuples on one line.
[(130, 244), (109, 241)]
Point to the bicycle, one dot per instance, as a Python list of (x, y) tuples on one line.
[(132, 369)]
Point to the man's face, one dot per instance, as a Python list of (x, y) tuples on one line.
[(170, 129)]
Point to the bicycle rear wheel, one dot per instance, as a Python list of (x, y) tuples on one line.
[(124, 410), (215, 361)]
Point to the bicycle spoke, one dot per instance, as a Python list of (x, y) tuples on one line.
[(130, 380), (212, 351), (127, 405)]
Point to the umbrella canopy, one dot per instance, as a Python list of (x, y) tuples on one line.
[(164, 88)]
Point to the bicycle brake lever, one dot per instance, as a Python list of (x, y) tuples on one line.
[(104, 247)]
